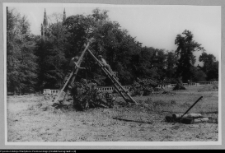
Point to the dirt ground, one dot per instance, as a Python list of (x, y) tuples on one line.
[(31, 118)]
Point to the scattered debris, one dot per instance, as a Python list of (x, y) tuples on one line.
[(192, 106), (186, 119), (129, 120), (192, 115)]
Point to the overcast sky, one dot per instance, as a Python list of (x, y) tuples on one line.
[(152, 25)]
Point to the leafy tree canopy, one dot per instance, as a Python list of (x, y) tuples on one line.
[(186, 60)]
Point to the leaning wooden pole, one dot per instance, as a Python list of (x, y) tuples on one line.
[(115, 85), (80, 60), (113, 79), (73, 73), (191, 107)]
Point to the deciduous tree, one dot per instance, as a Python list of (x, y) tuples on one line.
[(185, 48)]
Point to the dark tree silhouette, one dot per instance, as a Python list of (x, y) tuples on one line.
[(185, 48)]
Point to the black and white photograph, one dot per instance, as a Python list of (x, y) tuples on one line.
[(107, 74)]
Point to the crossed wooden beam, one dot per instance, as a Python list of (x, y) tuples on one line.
[(122, 91)]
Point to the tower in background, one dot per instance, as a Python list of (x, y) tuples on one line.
[(44, 26), (64, 16)]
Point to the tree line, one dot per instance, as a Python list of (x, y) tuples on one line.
[(34, 63)]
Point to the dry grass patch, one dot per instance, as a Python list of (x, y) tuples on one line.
[(33, 119)]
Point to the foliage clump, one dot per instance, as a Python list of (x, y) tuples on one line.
[(21, 60), (86, 95), (143, 87)]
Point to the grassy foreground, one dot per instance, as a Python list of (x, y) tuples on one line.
[(30, 118)]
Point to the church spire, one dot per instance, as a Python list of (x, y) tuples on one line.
[(64, 15), (44, 26), (45, 22)]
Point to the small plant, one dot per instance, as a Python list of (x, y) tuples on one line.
[(148, 100)]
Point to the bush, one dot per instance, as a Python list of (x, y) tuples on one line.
[(85, 95), (143, 87)]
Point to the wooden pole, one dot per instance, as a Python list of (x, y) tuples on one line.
[(191, 107), (113, 79)]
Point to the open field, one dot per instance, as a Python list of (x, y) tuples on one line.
[(30, 118)]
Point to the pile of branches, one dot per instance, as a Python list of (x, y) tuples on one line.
[(86, 95), (143, 87)]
